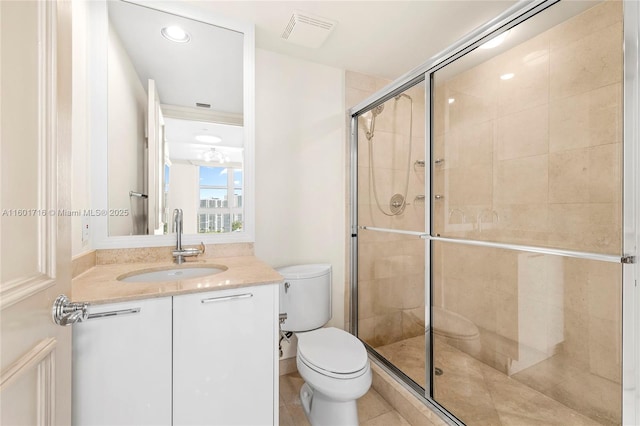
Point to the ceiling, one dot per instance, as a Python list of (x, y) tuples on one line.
[(380, 38), (207, 69)]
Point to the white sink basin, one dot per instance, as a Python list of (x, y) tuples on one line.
[(173, 274)]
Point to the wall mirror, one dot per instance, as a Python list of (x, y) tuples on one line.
[(173, 124)]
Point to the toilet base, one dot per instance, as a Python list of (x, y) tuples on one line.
[(322, 411)]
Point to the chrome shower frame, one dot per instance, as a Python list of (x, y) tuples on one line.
[(512, 17)]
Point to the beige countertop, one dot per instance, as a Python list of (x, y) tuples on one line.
[(100, 284)]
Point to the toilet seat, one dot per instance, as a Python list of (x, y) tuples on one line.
[(450, 324), (333, 352)]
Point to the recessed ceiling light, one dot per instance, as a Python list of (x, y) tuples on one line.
[(451, 100), (176, 34), (496, 41), (507, 76), (208, 138)]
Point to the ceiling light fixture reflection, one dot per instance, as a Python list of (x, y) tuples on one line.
[(208, 139), (496, 41), (507, 76), (451, 100), (175, 34), (215, 155)]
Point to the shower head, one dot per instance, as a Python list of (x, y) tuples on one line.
[(377, 110), (401, 95)]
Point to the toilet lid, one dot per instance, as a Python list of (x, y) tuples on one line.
[(297, 272), (332, 350)]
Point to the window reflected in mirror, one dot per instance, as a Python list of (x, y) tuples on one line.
[(220, 200)]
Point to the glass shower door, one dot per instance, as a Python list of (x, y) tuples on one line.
[(526, 242), (391, 208)]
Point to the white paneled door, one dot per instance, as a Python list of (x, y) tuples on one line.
[(35, 177)]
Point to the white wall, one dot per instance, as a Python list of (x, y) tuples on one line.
[(300, 167), (81, 154), (126, 129)]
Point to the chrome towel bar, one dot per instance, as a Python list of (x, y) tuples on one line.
[(114, 313)]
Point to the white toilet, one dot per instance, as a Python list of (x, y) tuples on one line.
[(332, 362), (457, 330)]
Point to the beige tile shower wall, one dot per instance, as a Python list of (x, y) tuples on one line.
[(391, 266), (537, 160)]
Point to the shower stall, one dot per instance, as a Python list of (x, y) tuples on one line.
[(493, 225)]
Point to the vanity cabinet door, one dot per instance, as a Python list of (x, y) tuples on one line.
[(122, 364), (224, 357)]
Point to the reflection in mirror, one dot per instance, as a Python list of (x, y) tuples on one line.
[(175, 123)]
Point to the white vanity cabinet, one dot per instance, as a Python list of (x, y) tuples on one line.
[(122, 364), (207, 358), (224, 357)]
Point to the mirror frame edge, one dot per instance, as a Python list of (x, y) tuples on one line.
[(97, 116)]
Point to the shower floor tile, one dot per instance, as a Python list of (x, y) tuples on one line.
[(479, 394), (373, 410)]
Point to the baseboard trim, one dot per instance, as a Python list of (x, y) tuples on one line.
[(288, 365)]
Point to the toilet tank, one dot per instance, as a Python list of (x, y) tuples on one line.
[(305, 296)]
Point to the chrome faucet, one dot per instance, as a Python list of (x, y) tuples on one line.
[(177, 227), (180, 253)]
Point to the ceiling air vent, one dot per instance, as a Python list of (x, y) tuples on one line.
[(308, 30)]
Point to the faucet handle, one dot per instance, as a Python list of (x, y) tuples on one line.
[(202, 247)]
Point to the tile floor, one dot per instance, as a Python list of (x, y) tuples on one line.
[(373, 410), (479, 394)]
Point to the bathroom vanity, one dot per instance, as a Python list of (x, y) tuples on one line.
[(201, 350)]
